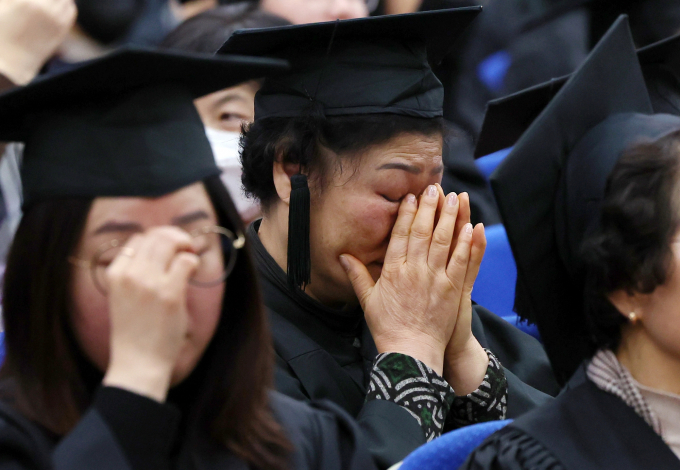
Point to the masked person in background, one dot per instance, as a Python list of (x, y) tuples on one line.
[(224, 111)]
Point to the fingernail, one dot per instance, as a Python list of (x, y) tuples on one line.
[(468, 228), (452, 199), (432, 190), (344, 262), (411, 199)]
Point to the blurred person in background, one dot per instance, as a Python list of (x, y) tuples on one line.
[(224, 112), (589, 196)]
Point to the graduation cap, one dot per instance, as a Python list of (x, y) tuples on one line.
[(507, 118), (661, 67), (549, 187), (377, 65), (369, 65), (121, 125)]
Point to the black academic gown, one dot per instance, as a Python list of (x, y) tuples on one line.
[(124, 431), (585, 428), (327, 353)]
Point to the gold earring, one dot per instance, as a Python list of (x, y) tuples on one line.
[(632, 317)]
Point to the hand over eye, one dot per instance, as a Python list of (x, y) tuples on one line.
[(413, 307), (147, 284)]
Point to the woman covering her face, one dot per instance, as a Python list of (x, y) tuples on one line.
[(345, 157), (598, 258), (135, 334)]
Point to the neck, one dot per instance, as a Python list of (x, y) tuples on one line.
[(647, 362), (273, 233)]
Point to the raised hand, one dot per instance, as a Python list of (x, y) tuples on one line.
[(147, 288), (30, 33), (412, 309)]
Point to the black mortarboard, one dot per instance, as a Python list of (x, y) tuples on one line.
[(661, 66), (507, 118), (361, 66), (121, 125), (546, 200)]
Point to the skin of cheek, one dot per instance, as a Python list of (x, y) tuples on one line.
[(205, 308), (347, 222), (661, 313), (89, 315), (90, 319), (351, 216)]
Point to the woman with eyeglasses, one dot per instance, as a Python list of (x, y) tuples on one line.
[(135, 333)]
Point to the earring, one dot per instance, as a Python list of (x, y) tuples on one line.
[(632, 317)]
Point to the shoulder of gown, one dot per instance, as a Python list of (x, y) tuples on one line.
[(531, 381), (324, 436)]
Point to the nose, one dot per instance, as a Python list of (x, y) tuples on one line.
[(348, 9)]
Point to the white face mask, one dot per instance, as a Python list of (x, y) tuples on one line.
[(225, 147)]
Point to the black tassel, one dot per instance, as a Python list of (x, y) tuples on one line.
[(299, 258)]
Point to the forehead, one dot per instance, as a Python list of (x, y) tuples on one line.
[(416, 154), (151, 212)]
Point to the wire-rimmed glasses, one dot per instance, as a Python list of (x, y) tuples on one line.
[(216, 247)]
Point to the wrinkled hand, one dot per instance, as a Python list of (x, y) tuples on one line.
[(30, 33), (412, 308), (147, 290), (465, 361)]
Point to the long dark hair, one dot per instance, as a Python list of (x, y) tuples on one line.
[(51, 381)]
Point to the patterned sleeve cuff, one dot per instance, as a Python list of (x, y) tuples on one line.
[(415, 387), (488, 403)]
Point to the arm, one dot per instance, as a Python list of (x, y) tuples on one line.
[(30, 32), (122, 430)]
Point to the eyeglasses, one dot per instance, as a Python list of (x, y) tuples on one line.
[(215, 246)]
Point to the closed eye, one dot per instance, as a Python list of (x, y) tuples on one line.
[(392, 200)]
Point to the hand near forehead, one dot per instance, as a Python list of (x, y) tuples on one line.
[(30, 33), (413, 307), (147, 294)]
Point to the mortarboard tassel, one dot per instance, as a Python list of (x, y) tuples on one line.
[(299, 258)]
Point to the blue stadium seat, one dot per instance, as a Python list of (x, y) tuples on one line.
[(492, 70), (488, 163), (2, 347), (450, 450), (495, 285)]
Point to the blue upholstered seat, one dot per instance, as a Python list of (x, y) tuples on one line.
[(450, 450), (495, 285)]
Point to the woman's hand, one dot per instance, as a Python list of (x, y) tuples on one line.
[(413, 307), (30, 32), (465, 361), (147, 287)]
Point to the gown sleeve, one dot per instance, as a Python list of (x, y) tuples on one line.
[(323, 435), (389, 432), (121, 431), (511, 449)]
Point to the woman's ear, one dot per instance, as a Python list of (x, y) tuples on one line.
[(626, 303), (282, 172)]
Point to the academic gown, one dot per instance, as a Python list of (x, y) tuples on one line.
[(585, 428), (124, 431), (328, 353)]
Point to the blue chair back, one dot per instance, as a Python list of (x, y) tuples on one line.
[(451, 450), (495, 285), (2, 347), (488, 163)]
